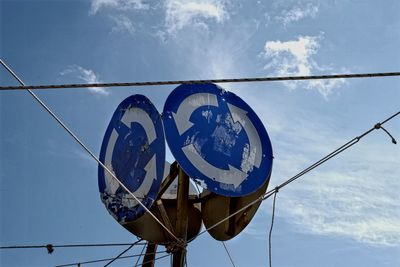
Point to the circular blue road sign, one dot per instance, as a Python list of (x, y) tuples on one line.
[(217, 139), (133, 149)]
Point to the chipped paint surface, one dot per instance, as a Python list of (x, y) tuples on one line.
[(225, 134), (134, 150), (217, 139)]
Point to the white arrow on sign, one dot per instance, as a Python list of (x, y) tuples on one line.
[(188, 106), (231, 176), (240, 115), (111, 184), (144, 188), (140, 116)]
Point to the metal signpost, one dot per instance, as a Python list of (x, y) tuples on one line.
[(216, 139)]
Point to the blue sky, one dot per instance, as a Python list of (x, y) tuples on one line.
[(345, 213)]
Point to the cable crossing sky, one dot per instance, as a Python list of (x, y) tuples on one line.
[(177, 82), (262, 79)]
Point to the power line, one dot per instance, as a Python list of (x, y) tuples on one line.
[(308, 169), (270, 230), (223, 243), (52, 114), (108, 259), (229, 254), (122, 253), (138, 259), (176, 82), (263, 197), (69, 246), (159, 258)]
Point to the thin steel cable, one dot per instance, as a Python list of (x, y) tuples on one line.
[(270, 231), (176, 82), (159, 258), (229, 254), (67, 246), (122, 253), (52, 114), (295, 177), (268, 194), (102, 260), (141, 252)]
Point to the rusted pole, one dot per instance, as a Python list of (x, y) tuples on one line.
[(182, 199)]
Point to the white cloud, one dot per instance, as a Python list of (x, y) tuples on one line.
[(354, 195), (297, 13), (122, 24), (97, 5), (181, 13), (295, 58), (296, 54), (360, 202), (86, 75)]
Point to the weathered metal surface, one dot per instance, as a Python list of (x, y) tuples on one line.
[(165, 210), (170, 173), (147, 228), (181, 228), (217, 139), (215, 208), (133, 149)]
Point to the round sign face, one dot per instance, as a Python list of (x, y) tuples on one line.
[(217, 139), (133, 149)]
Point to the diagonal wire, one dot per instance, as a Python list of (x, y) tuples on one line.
[(161, 257), (229, 254), (52, 114), (266, 195), (300, 174), (102, 260), (141, 253), (270, 231), (122, 253), (235, 80)]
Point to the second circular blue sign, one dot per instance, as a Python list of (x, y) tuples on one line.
[(217, 139)]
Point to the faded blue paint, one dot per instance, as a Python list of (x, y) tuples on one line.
[(213, 146), (132, 157)]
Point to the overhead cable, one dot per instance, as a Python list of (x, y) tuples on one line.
[(108, 259), (122, 253), (229, 254), (69, 246), (150, 261), (176, 82), (300, 174), (141, 252), (270, 230), (52, 114)]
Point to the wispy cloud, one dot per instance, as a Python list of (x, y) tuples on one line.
[(97, 5), (86, 75), (181, 13), (295, 57), (296, 13), (122, 24), (359, 201), (354, 195)]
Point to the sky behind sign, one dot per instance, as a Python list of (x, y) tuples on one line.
[(345, 213)]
